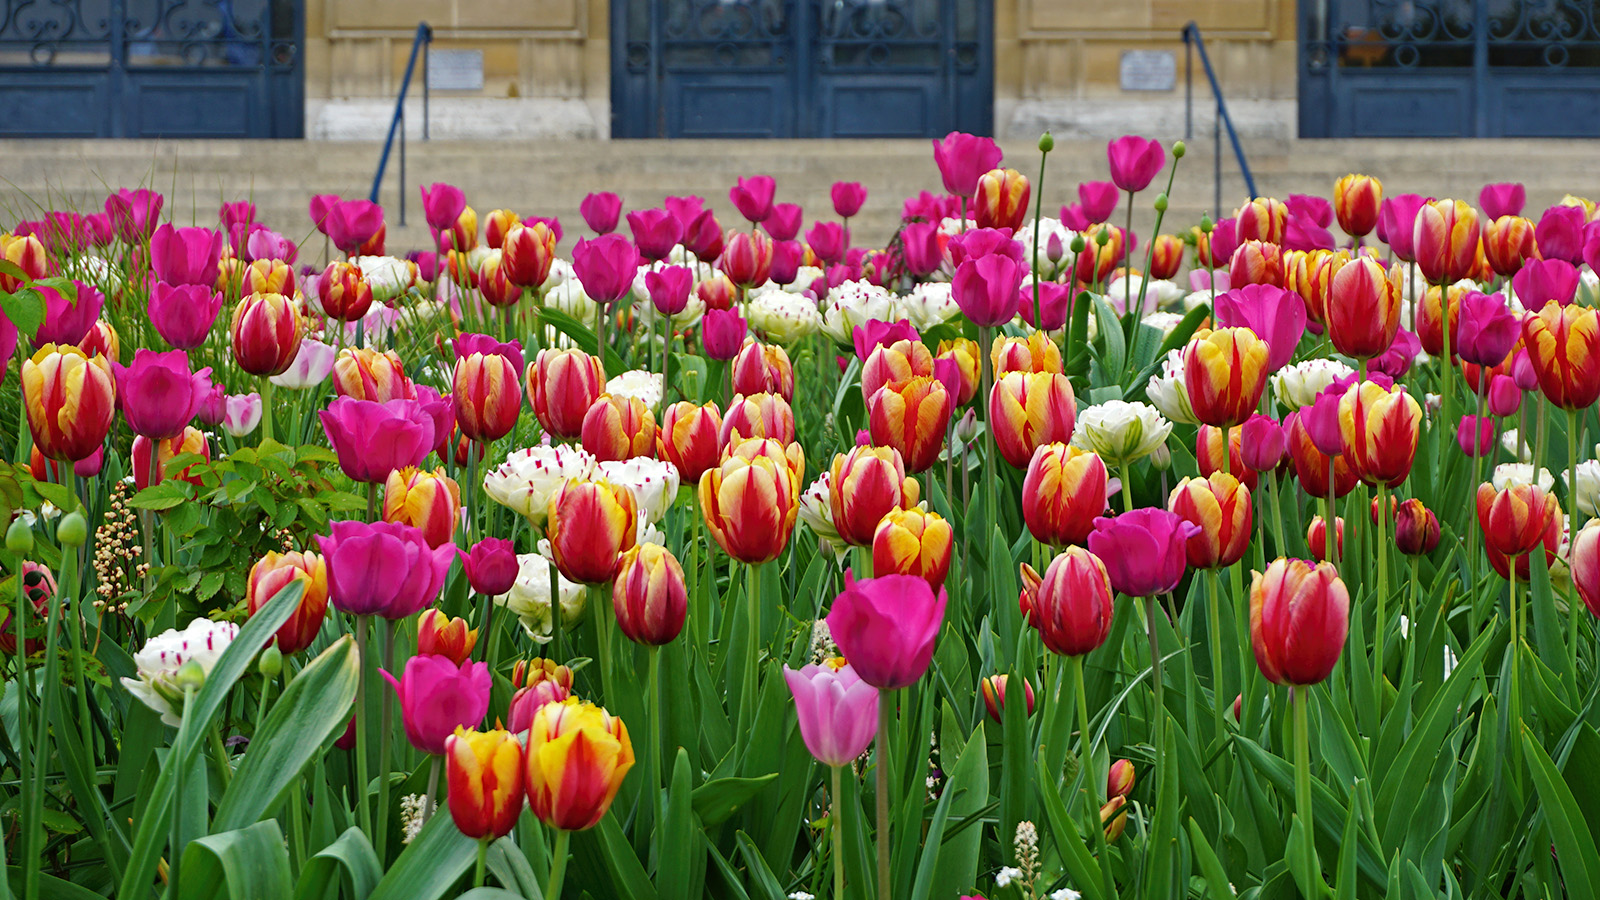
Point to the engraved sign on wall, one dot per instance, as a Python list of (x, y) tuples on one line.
[(455, 70), (1148, 70)]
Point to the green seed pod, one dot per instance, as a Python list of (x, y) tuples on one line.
[(1046, 143), (73, 530), (19, 537)]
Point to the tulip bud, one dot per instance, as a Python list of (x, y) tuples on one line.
[(1063, 492), (1206, 225), (1046, 142), (1317, 538), (649, 596), (191, 676), (19, 537), (994, 695), (913, 542), (572, 783), (1299, 619), (275, 571), (1114, 816), (1220, 506), (1161, 202), (1070, 606), (1179, 148), (1078, 244), (73, 530), (1416, 528), (1161, 457)]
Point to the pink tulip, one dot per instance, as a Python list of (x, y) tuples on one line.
[(601, 209), (986, 289), (962, 159), (1502, 200), (1559, 234), (886, 627), (873, 333), (321, 205), (134, 214), (1321, 419), (158, 394), (753, 197), (1475, 436), (1541, 280), (1075, 218), (838, 712), (67, 321), (241, 413), (373, 439), (491, 566), (1145, 551), (606, 266), (239, 212), (1397, 219), (1523, 372), (264, 243), (848, 198), (687, 209), (213, 409), (784, 222), (383, 568), (1276, 316), (1487, 330), (1304, 234), (923, 250), (442, 205), (185, 255), (1263, 443), (352, 223), (472, 342), (437, 697), (183, 314), (930, 207), (669, 289), (722, 333), (1055, 304), (1311, 207), (313, 362), (826, 240), (98, 228), (786, 258), (1135, 161), (976, 242), (1097, 200), (703, 236), (1396, 361), (655, 233), (1505, 398)]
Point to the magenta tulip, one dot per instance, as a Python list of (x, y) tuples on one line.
[(383, 568), (1321, 419), (373, 439), (1541, 280), (722, 333), (1396, 361), (687, 209), (655, 233), (1276, 316), (923, 251), (183, 314), (67, 321), (442, 205), (874, 333), (319, 208), (669, 289), (185, 255), (1505, 398), (437, 697), (786, 259), (600, 211), (784, 222), (1523, 372), (753, 197), (606, 266), (1263, 443), (99, 229), (976, 242), (703, 236), (1135, 161), (1304, 234), (158, 394), (886, 627), (1502, 200), (1055, 304), (1559, 234), (1097, 200), (838, 712), (134, 214), (1309, 206), (986, 289), (1145, 550), (848, 198), (826, 240), (963, 159), (491, 566), (1397, 219), (8, 342), (1475, 435), (237, 213), (351, 223), (1487, 330)]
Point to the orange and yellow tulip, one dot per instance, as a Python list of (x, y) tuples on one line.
[(1034, 353), (368, 374), (1563, 345), (1262, 219), (1220, 505), (496, 225), (1225, 372), (913, 542), (1062, 494), (577, 756), (440, 635), (690, 438), (1445, 240), (484, 774), (1028, 410), (70, 399), (911, 417), (562, 385), (590, 524), (276, 571), (968, 359), (1363, 312), (1166, 256), (1380, 428), (617, 428), (428, 501), (750, 501), (1508, 243), (1356, 202)]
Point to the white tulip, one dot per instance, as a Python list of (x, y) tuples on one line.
[(1168, 392), (1298, 385), (1508, 474), (781, 316), (525, 482), (646, 386), (202, 644), (855, 303), (654, 483), (1120, 431), (529, 597)]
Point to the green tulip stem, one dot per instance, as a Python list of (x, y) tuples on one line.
[(363, 811), (1516, 666), (558, 865), (1159, 712), (30, 823), (1091, 779), (885, 722), (1214, 627), (429, 803), (1302, 769), (1033, 264), (991, 454), (555, 611), (1127, 485), (1277, 512), (1127, 279), (219, 753), (836, 831), (372, 501), (1380, 633), (666, 363), (383, 744), (752, 654), (483, 858), (655, 725), (1574, 610), (267, 388)]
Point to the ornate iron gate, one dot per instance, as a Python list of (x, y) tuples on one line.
[(1447, 68), (151, 68), (801, 68)]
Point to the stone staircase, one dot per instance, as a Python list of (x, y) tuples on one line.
[(551, 177)]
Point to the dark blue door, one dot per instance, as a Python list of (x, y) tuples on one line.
[(1450, 68), (801, 68), (151, 68)]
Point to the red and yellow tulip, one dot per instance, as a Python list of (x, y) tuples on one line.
[(1225, 372), (1062, 494), (1220, 505), (1381, 428), (562, 385), (265, 333), (577, 756), (1001, 200), (276, 571), (1363, 308), (1563, 345), (429, 501), (488, 397), (750, 501), (590, 524), (690, 438), (440, 635), (1028, 410), (864, 485), (484, 774), (1356, 202), (911, 417), (70, 398), (1445, 240), (913, 541), (1034, 353), (617, 428)]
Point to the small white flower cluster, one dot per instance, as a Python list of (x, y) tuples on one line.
[(413, 815)]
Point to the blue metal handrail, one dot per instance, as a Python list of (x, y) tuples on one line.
[(1192, 41), (397, 123)]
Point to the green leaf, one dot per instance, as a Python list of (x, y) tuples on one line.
[(165, 495), (430, 865), (50, 887), (349, 861), (1111, 338), (510, 865), (678, 835), (1083, 868), (627, 874), (1217, 885), (765, 883), (314, 707), (490, 893), (249, 863), (958, 861), (1575, 847), (25, 309), (716, 801)]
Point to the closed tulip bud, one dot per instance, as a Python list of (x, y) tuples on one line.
[(494, 284), (894, 363), (576, 758), (864, 485), (911, 417), (1514, 520), (1508, 243), (192, 440), (1380, 429), (1416, 528), (690, 438), (965, 354), (1475, 435), (1225, 373), (1317, 538), (1262, 219), (1208, 450), (723, 332), (526, 254), (1064, 491), (1070, 606), (649, 596), (102, 339), (994, 695), (757, 416), (488, 397), (913, 542), (495, 226), (590, 525), (562, 385), (1256, 262), (26, 253), (484, 775), (746, 258), (1445, 239), (1563, 344), (1357, 200), (1166, 256), (1029, 410), (440, 635), (275, 571), (763, 368), (1364, 308), (887, 627), (1001, 200), (19, 536), (1263, 444), (1119, 779), (1035, 353), (1220, 506), (73, 530), (265, 333), (1114, 818), (751, 500), (70, 400), (366, 374), (427, 501), (1505, 398), (1299, 618), (618, 428), (1144, 550)]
